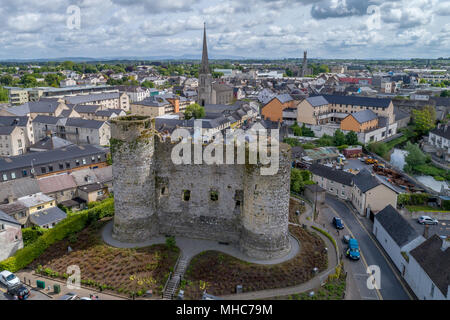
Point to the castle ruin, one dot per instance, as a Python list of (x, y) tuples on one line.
[(232, 204)]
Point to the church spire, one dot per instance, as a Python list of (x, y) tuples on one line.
[(204, 68)]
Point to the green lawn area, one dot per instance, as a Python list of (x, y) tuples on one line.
[(425, 208)]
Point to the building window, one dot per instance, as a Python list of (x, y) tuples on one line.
[(40, 207), (84, 161), (77, 162), (43, 169), (50, 168), (67, 165), (186, 195)]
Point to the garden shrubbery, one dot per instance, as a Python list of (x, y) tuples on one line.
[(75, 222)]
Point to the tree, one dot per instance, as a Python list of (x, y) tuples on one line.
[(424, 119), (4, 97), (297, 130), (339, 138), (414, 158), (53, 79), (28, 81), (194, 111), (351, 138), (147, 84)]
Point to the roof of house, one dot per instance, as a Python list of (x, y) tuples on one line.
[(109, 112), (6, 130), (364, 116), (6, 121), (365, 181), (83, 123), (55, 183), (92, 187), (399, 114), (358, 101), (396, 226), (434, 261), (88, 108), (84, 176), (41, 106), (44, 157), (322, 153), (332, 174), (317, 101), (51, 143), (12, 208), (443, 131), (221, 87), (314, 188), (6, 218), (104, 174), (47, 216), (34, 199)]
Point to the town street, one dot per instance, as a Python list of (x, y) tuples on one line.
[(392, 288)]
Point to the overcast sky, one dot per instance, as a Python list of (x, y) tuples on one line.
[(247, 28)]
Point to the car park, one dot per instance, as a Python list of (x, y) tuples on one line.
[(338, 224), (8, 278), (427, 220), (19, 291)]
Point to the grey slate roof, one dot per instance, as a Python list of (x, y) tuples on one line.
[(365, 181), (6, 130), (317, 101), (83, 123), (47, 119), (47, 216), (108, 112), (41, 106), (283, 98), (18, 188), (51, 143), (6, 121), (6, 218), (434, 261), (88, 108), (396, 226), (339, 176), (70, 152), (92, 97), (358, 101), (442, 132), (364, 116)]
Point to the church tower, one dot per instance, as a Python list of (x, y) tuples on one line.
[(305, 64), (204, 76)]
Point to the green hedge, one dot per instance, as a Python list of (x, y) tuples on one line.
[(326, 234), (75, 222), (30, 235)]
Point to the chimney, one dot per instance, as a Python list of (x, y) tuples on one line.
[(445, 243)]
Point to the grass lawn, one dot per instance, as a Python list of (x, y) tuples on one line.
[(219, 274), (124, 271), (425, 208)]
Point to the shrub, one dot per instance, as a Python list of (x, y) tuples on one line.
[(30, 235), (171, 243)]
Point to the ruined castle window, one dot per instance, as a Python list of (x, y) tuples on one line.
[(214, 195), (164, 191), (186, 195)]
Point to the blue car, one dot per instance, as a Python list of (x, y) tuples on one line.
[(353, 250), (338, 223)]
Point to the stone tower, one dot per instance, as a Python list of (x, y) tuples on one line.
[(204, 76), (265, 219), (305, 64), (132, 149)]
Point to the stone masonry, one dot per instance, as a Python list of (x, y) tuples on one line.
[(226, 203)]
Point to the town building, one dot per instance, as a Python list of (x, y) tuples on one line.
[(335, 182), (274, 109), (52, 162), (439, 140)]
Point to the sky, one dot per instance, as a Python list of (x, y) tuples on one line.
[(367, 29)]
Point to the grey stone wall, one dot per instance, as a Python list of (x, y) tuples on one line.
[(227, 203)]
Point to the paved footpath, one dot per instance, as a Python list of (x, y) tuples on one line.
[(192, 247)]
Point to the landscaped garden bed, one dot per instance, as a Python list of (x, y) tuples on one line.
[(219, 274), (123, 271), (293, 207)]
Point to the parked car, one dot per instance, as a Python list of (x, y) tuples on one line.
[(338, 224), (19, 291), (69, 296), (427, 220), (353, 249), (8, 279)]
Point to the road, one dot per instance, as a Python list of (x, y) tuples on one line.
[(392, 288)]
